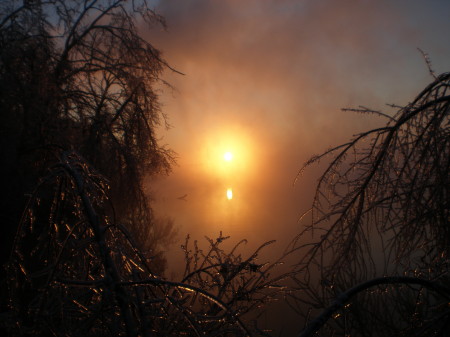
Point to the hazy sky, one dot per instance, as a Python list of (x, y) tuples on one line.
[(266, 79)]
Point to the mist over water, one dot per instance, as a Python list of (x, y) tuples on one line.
[(253, 92), (271, 77)]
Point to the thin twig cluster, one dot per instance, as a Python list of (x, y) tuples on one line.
[(382, 208), (84, 276)]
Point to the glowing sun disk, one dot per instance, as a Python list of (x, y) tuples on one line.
[(228, 156)]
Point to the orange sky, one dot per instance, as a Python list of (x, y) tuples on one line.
[(267, 79)]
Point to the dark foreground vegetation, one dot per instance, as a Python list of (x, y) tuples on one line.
[(381, 214), (75, 271), (81, 249)]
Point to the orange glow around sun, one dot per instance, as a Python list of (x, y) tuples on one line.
[(227, 154), (227, 159)]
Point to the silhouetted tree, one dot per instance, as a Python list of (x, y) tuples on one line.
[(78, 135), (78, 75), (83, 274), (381, 223)]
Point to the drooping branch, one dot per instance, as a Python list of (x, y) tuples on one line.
[(381, 207), (344, 298)]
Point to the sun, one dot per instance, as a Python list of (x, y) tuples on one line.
[(228, 156)]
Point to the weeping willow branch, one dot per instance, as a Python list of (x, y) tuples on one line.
[(381, 207)]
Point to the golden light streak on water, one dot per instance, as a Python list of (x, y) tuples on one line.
[(229, 194)]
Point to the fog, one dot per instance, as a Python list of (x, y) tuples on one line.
[(268, 79)]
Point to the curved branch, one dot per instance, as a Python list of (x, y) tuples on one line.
[(342, 299), (194, 289)]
